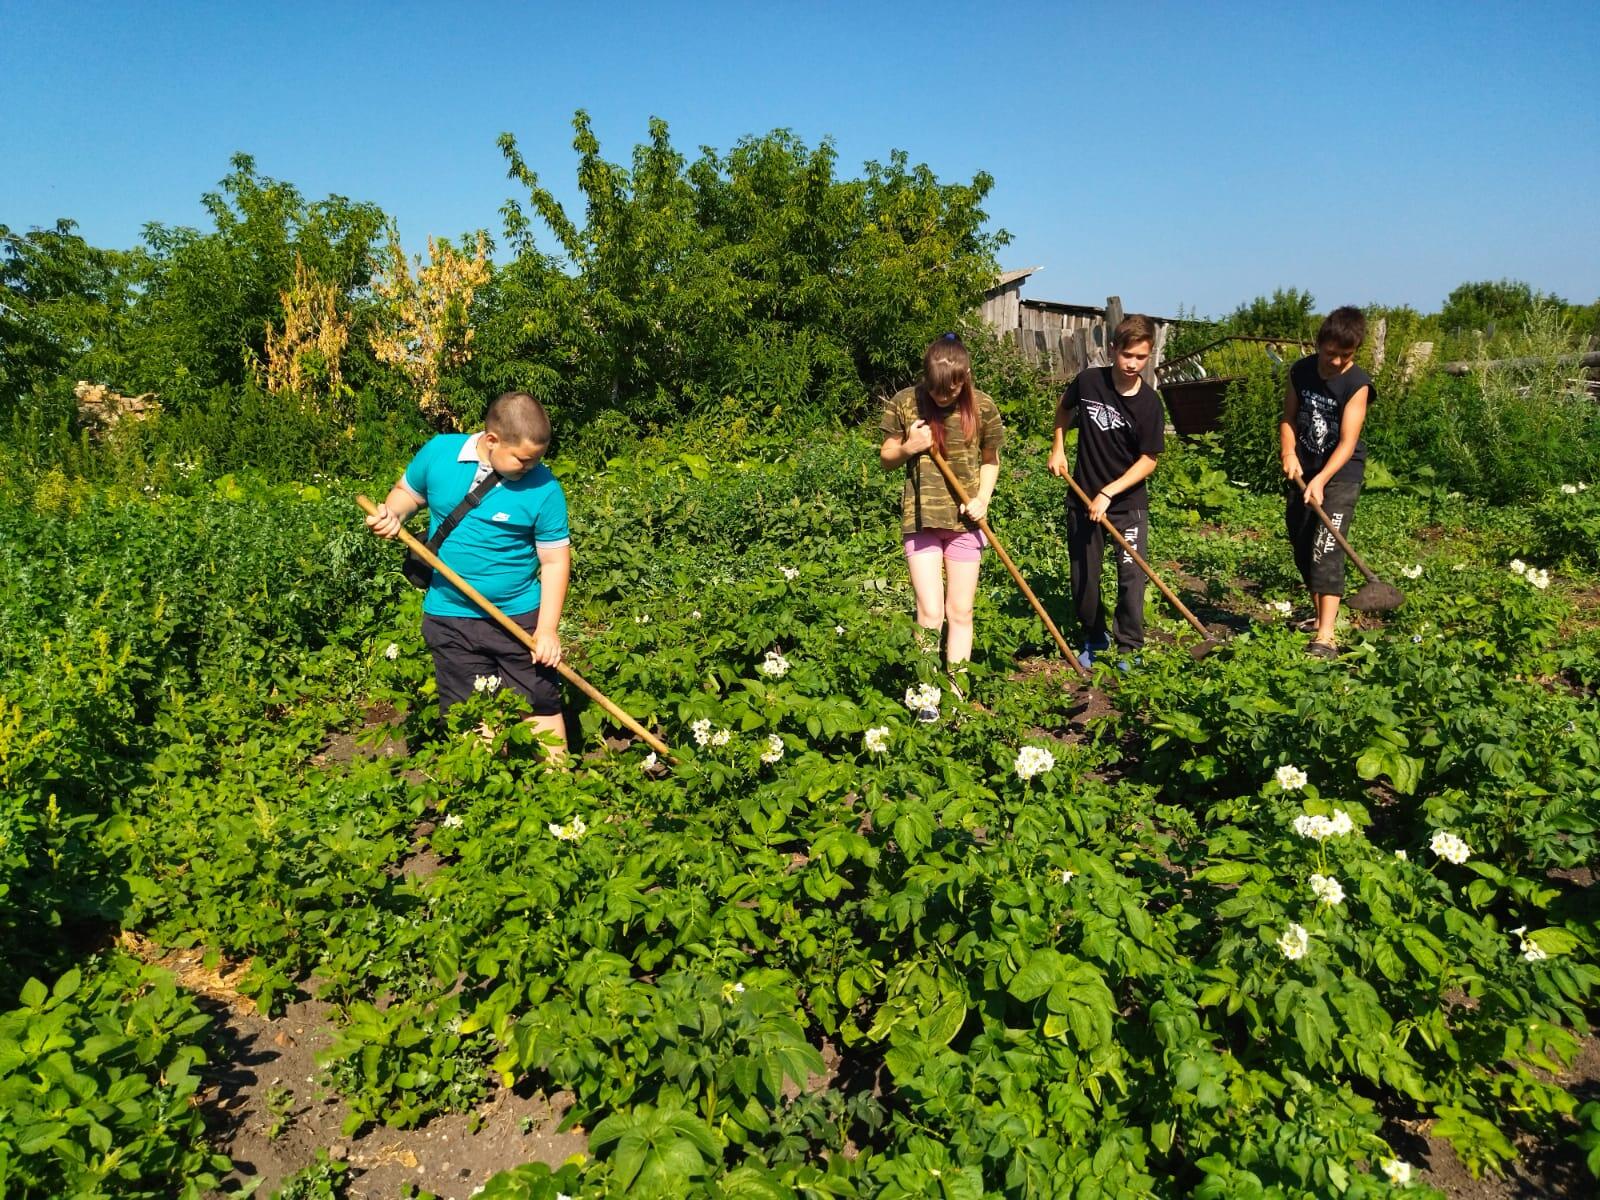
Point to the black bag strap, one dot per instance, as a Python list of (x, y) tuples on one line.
[(468, 502)]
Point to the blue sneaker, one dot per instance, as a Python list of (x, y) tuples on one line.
[(1093, 649)]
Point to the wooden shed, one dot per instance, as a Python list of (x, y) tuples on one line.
[(1066, 338)]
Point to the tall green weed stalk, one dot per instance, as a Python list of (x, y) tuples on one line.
[(1501, 433), (1251, 411)]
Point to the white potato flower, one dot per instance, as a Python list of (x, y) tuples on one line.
[(453, 821), (572, 831), (649, 763), (1568, 489), (392, 651), (1033, 760), (1449, 847), (774, 750), (1412, 572), (775, 665), (720, 737), (1282, 607), (789, 572), (701, 730), (924, 695), (1290, 779), (486, 683), (876, 739), (1530, 949), (1320, 828), (1398, 1172), (1295, 942), (1539, 578), (1327, 889), (1518, 567)]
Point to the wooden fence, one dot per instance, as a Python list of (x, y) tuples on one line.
[(1066, 338)]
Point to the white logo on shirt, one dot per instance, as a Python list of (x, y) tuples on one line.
[(1104, 416), (1320, 425), (501, 517)]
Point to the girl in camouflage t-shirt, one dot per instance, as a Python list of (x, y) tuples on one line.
[(942, 544)]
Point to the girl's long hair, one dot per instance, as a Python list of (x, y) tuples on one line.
[(946, 365)]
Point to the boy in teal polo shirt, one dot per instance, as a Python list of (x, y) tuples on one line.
[(513, 547)]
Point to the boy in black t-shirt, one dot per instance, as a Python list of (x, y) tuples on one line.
[(1121, 429), (1324, 460)]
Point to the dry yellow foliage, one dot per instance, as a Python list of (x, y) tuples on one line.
[(304, 359), (427, 325)]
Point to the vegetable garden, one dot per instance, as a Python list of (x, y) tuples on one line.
[(1238, 928)]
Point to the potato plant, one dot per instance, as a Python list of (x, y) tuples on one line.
[(1214, 942)]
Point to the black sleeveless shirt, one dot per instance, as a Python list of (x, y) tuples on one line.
[(1321, 416)]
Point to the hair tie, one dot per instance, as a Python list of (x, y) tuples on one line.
[(948, 337)]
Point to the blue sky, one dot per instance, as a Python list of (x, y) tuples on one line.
[(1172, 154)]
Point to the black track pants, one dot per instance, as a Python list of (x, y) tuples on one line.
[(1086, 544)]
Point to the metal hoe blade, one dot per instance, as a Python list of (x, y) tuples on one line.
[(1376, 596)]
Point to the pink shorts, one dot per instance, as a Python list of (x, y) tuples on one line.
[(958, 545)]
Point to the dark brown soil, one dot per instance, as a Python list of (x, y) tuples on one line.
[(1546, 1168), (266, 1111)]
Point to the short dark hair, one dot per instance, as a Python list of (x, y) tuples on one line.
[(1343, 329), (1132, 329), (518, 419)]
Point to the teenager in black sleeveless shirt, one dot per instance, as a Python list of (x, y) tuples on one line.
[(1324, 460)]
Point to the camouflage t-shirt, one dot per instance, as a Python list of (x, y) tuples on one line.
[(927, 502)]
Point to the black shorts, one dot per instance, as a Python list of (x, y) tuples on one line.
[(466, 649), (1316, 554)]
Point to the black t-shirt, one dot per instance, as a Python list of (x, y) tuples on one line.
[(1113, 432), (1321, 415)]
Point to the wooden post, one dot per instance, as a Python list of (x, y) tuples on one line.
[(1081, 350), (1379, 333), (1151, 367)]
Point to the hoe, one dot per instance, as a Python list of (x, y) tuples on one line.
[(983, 524), (1373, 596), (522, 635)]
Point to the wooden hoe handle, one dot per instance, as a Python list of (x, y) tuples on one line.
[(1139, 559), (523, 636), (961, 495)]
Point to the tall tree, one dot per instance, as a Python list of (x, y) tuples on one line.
[(208, 298), (62, 307)]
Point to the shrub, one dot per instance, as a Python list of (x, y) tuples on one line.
[(1251, 411), (1566, 525), (1502, 433)]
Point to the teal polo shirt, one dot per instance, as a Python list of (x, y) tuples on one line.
[(495, 547)]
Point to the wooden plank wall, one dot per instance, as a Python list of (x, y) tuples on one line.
[(1001, 310), (1069, 341)]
